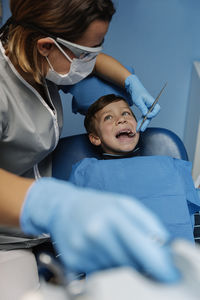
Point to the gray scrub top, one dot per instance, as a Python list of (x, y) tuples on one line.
[(30, 127)]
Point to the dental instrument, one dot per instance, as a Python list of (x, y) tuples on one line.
[(152, 106)]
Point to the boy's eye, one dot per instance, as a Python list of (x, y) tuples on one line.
[(108, 117), (126, 113)]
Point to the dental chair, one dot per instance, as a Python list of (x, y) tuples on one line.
[(154, 141)]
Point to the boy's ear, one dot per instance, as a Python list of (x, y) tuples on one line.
[(94, 139)]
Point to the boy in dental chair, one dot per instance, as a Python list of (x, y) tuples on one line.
[(111, 124), (164, 184)]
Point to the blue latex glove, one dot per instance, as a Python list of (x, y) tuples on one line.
[(94, 230), (141, 98)]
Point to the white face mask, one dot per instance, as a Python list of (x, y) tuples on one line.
[(79, 69)]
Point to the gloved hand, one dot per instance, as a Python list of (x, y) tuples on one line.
[(141, 98), (94, 230)]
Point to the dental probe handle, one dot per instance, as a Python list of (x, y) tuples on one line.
[(152, 106)]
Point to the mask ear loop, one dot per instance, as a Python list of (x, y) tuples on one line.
[(60, 48), (49, 63)]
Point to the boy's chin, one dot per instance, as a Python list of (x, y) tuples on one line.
[(125, 151)]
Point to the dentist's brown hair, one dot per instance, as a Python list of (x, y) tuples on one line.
[(67, 19)]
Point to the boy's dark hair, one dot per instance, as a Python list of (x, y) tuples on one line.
[(97, 106)]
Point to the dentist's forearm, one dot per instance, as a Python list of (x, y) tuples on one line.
[(111, 70), (12, 193)]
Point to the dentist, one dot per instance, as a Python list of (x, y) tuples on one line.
[(45, 44)]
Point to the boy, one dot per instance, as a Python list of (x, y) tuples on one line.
[(111, 124), (162, 183)]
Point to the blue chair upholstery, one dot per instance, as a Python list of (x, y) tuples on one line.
[(90, 89), (161, 141), (154, 141)]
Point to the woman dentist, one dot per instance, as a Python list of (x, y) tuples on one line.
[(45, 44)]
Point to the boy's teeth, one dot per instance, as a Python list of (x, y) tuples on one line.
[(128, 132), (131, 134)]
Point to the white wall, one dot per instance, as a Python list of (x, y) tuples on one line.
[(192, 123), (196, 161)]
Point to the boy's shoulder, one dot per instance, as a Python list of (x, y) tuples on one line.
[(80, 168), (85, 163), (81, 164)]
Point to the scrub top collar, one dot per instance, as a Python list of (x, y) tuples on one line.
[(135, 152)]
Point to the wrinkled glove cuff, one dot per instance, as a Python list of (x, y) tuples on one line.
[(131, 85)]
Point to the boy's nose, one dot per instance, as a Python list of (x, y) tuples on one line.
[(121, 120)]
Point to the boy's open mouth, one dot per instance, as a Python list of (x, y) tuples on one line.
[(125, 133)]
